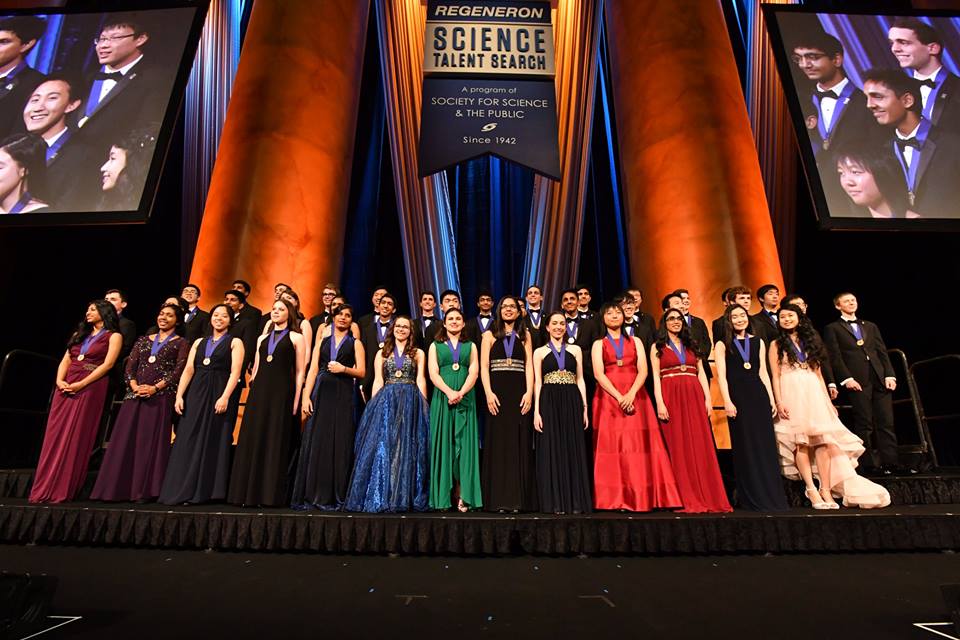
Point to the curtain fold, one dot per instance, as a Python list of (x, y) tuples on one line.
[(423, 204), (557, 210)]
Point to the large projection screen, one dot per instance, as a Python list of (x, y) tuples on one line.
[(88, 101), (875, 102)]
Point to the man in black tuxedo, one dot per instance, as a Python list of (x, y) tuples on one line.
[(373, 333), (584, 298), (825, 367), (18, 35), (698, 328), (128, 329), (196, 320), (918, 48), (640, 316), (378, 291), (247, 311), (860, 361), (631, 326), (580, 332), (426, 319), (330, 292), (764, 323), (928, 156), (476, 327), (718, 328), (68, 159), (244, 326), (533, 316)]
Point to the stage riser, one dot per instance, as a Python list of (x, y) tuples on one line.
[(337, 533)]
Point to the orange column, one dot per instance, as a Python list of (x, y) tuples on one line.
[(278, 195), (696, 211)]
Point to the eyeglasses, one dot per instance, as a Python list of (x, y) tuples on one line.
[(112, 39), (508, 306), (807, 57)]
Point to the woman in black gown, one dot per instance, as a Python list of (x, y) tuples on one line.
[(506, 371), (261, 463), (199, 465), (748, 400), (560, 418), (326, 449)]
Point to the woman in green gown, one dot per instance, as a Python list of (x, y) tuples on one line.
[(454, 443)]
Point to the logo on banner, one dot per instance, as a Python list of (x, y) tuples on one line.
[(488, 84)]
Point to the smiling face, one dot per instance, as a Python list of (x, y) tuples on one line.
[(47, 108), (485, 303), (377, 294), (569, 302), (285, 295), (190, 294), (386, 307), (111, 169), (220, 319), (739, 319), (629, 307), (674, 322), (883, 103), (453, 323), (788, 319), (92, 316), (744, 300), (847, 304), (11, 174), (509, 310), (910, 52), (232, 301), (401, 329), (427, 303), (557, 325), (118, 45), (534, 296), (584, 298), (166, 319)]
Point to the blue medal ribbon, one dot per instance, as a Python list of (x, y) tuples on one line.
[(561, 355), (381, 330), (8, 79), (88, 342), (211, 346), (155, 346), (508, 341), (856, 329), (54, 148), (334, 347), (617, 347), (628, 329), (842, 100), (938, 80), (801, 352), (21, 203), (910, 173), (454, 351), (575, 323), (398, 358), (744, 350), (484, 323), (535, 316), (191, 314), (274, 340), (681, 353)]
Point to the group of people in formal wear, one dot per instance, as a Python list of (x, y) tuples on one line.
[(78, 144), (888, 149), (511, 408)]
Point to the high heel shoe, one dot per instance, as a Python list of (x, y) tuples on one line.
[(830, 502), (816, 500)]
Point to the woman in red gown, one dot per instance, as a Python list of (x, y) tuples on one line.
[(631, 467), (77, 405), (683, 404)]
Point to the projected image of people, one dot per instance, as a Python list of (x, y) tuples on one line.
[(879, 103), (93, 89)]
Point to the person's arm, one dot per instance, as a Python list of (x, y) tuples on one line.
[(256, 360), (705, 385), (773, 357), (526, 402), (840, 371), (765, 376), (237, 357), (641, 370), (306, 407), (537, 385), (720, 357), (133, 363), (114, 349), (62, 372), (186, 377), (300, 346), (493, 402), (472, 372), (355, 330), (421, 377), (889, 376), (307, 332), (581, 385), (596, 357), (662, 412), (378, 374), (358, 370)]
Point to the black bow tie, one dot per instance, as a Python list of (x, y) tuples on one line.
[(116, 76), (854, 321), (829, 93), (485, 317), (930, 82), (909, 142)]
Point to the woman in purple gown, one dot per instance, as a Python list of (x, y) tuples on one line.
[(77, 405), (139, 447)]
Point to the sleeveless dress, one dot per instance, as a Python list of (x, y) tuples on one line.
[(509, 477), (72, 426), (262, 459), (631, 467), (755, 461), (454, 441), (392, 451), (139, 446), (689, 436), (812, 421), (199, 465), (563, 465), (326, 449)]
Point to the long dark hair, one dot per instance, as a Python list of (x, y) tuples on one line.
[(111, 322), (685, 338), (138, 146), (812, 344), (728, 324), (390, 343), (606, 306), (293, 319), (519, 328), (30, 152), (442, 335)]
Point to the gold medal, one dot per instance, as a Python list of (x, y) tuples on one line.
[(80, 357), (683, 367), (747, 365), (619, 363), (152, 359), (381, 345), (269, 358), (398, 374), (206, 361), (826, 144), (860, 343), (455, 366), (509, 362), (803, 365), (811, 122), (911, 197), (571, 340)]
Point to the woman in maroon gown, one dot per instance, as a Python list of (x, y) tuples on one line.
[(77, 405), (139, 446), (683, 404), (631, 468)]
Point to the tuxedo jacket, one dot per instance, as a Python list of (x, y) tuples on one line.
[(197, 327), (252, 315), (586, 334), (246, 330), (538, 335), (637, 330), (371, 346), (937, 187), (472, 330), (855, 125), (128, 329), (850, 360), (70, 184), (699, 332), (763, 327), (946, 109), (136, 102), (424, 333), (14, 95)]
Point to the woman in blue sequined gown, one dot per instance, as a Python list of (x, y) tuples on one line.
[(392, 451)]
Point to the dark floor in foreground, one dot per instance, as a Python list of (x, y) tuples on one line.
[(138, 593)]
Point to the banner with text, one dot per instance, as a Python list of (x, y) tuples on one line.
[(488, 84)]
